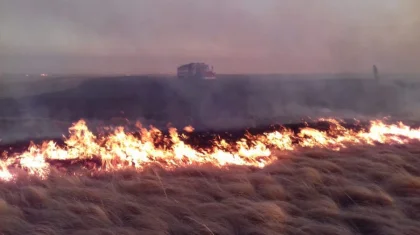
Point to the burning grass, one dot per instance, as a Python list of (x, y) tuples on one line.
[(118, 148), (331, 179), (359, 190)]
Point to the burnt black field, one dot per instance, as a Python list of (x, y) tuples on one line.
[(228, 103)]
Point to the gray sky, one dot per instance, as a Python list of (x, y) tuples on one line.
[(236, 36)]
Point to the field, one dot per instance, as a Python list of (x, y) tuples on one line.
[(358, 190), (46, 107)]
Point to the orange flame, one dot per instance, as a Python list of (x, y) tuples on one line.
[(122, 149)]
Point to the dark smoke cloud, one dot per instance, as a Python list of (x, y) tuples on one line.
[(237, 36)]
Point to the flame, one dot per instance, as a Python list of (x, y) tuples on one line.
[(121, 149), (189, 129)]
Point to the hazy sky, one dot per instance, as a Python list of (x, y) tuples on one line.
[(236, 36)]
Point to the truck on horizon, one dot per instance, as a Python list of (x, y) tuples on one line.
[(197, 71)]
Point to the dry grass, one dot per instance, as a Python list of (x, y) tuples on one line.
[(357, 191)]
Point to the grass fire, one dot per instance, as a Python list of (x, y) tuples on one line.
[(116, 149), (222, 166), (209, 117), (325, 177), (207, 157)]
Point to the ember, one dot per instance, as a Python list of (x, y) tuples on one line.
[(120, 149)]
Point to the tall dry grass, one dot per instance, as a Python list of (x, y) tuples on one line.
[(356, 191)]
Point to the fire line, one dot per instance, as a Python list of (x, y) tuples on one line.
[(119, 148)]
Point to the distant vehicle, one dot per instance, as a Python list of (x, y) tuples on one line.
[(196, 71)]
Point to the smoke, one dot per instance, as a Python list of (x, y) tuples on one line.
[(235, 36), (386, 37), (230, 102)]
